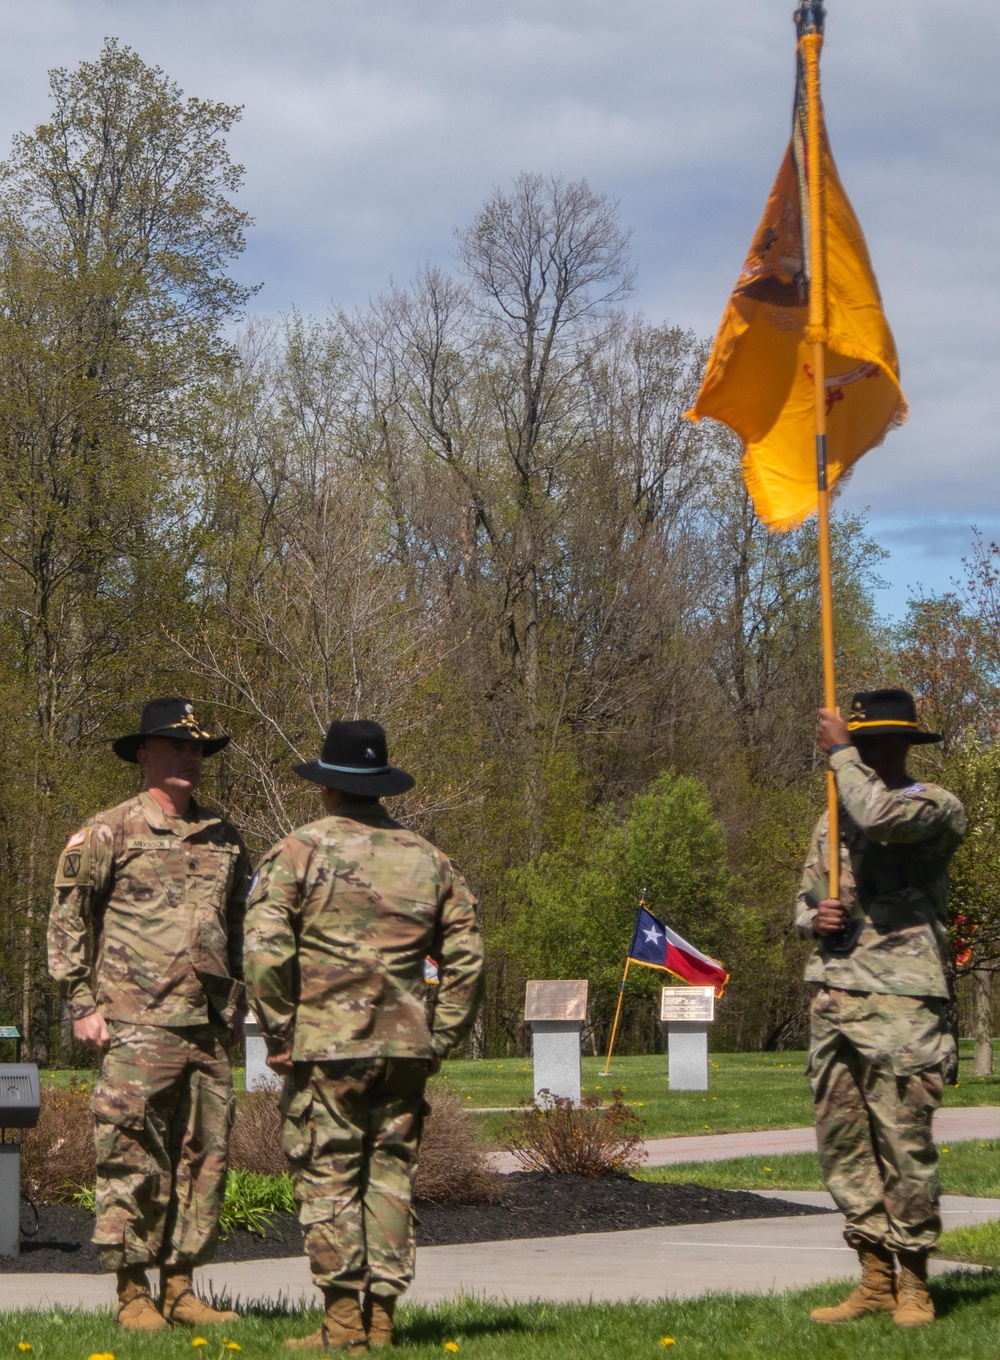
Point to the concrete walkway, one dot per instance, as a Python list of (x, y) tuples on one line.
[(756, 1256), (748, 1256)]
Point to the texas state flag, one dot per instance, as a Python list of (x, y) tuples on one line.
[(657, 946)]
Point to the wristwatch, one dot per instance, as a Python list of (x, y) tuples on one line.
[(840, 746)]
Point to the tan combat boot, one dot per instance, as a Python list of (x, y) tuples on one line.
[(342, 1328), (136, 1309), (875, 1293), (915, 1307), (182, 1307), (379, 1310)]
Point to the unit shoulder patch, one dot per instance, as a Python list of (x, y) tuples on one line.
[(75, 861)]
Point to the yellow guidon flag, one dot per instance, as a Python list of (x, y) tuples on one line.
[(759, 378)]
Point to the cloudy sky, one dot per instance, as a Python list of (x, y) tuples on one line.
[(372, 128)]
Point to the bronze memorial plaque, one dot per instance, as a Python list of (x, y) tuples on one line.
[(556, 1000), (687, 1003)]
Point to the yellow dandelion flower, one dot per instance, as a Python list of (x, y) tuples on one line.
[(451, 1346), (946, 1149), (24, 1346), (232, 1345), (667, 1341), (767, 1168), (198, 1341)]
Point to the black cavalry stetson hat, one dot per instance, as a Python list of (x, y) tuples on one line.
[(355, 759), (887, 713), (172, 718)]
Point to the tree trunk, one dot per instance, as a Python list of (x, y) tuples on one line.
[(982, 1001), (476, 1042)]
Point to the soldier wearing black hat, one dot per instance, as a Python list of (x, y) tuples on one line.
[(146, 941), (342, 916), (881, 1046)]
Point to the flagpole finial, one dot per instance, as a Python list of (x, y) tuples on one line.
[(810, 17)]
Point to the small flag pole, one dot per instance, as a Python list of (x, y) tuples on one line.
[(809, 21), (614, 1027)]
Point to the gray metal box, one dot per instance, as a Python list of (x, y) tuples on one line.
[(20, 1095)]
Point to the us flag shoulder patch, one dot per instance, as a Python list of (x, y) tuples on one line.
[(77, 838)]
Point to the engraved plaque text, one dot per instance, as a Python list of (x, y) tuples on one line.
[(687, 1003), (556, 1000)]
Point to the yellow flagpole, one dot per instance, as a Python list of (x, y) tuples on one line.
[(618, 1011), (810, 23)]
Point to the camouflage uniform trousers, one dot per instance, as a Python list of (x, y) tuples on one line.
[(163, 1109), (352, 1138), (875, 1065)]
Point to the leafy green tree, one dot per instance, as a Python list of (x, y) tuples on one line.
[(116, 227), (761, 615), (948, 657), (576, 907), (972, 772)]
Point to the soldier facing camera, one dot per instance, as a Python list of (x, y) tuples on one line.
[(881, 1048), (146, 941)]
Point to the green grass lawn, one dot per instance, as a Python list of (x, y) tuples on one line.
[(970, 1168), (979, 1244), (719, 1327), (746, 1091)]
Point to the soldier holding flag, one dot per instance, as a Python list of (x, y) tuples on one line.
[(804, 369), (880, 1045)]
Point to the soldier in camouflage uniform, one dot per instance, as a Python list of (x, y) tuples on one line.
[(881, 1046), (342, 915), (146, 941)]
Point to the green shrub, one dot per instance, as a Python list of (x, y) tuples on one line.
[(252, 1198), (58, 1154), (560, 1137), (453, 1168), (255, 1143)]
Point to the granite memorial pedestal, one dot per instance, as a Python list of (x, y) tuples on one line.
[(258, 1075), (687, 1012), (556, 1012)]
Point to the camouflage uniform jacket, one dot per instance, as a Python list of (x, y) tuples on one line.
[(147, 916), (342, 914), (896, 843)]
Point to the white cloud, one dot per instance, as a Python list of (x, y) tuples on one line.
[(373, 127)]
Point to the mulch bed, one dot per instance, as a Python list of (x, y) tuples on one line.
[(528, 1204)]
